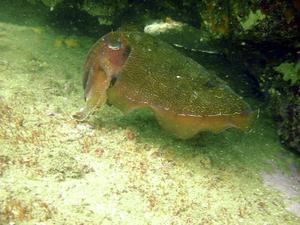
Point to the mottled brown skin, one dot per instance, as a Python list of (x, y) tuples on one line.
[(103, 64), (134, 70)]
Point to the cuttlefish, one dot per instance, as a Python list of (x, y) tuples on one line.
[(132, 70)]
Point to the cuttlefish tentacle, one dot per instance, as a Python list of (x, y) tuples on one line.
[(103, 64), (95, 91)]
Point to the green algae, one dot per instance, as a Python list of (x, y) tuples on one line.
[(115, 169), (252, 20), (290, 71)]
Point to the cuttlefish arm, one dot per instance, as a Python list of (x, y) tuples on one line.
[(103, 64), (95, 92)]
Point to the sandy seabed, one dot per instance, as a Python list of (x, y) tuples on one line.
[(116, 169)]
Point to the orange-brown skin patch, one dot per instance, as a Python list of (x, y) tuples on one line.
[(182, 126)]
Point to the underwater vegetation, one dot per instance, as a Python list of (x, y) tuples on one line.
[(134, 70), (251, 19)]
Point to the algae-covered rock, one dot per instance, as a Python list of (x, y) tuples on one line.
[(277, 71), (288, 103), (280, 85), (106, 11), (252, 19), (49, 3), (289, 123)]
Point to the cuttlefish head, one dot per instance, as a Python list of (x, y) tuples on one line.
[(103, 65)]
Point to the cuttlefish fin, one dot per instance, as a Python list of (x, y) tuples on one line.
[(185, 126)]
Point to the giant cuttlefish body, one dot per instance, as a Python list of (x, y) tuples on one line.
[(134, 70)]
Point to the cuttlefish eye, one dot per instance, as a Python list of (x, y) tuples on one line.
[(115, 45)]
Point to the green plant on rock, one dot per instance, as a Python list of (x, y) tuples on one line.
[(290, 71)]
